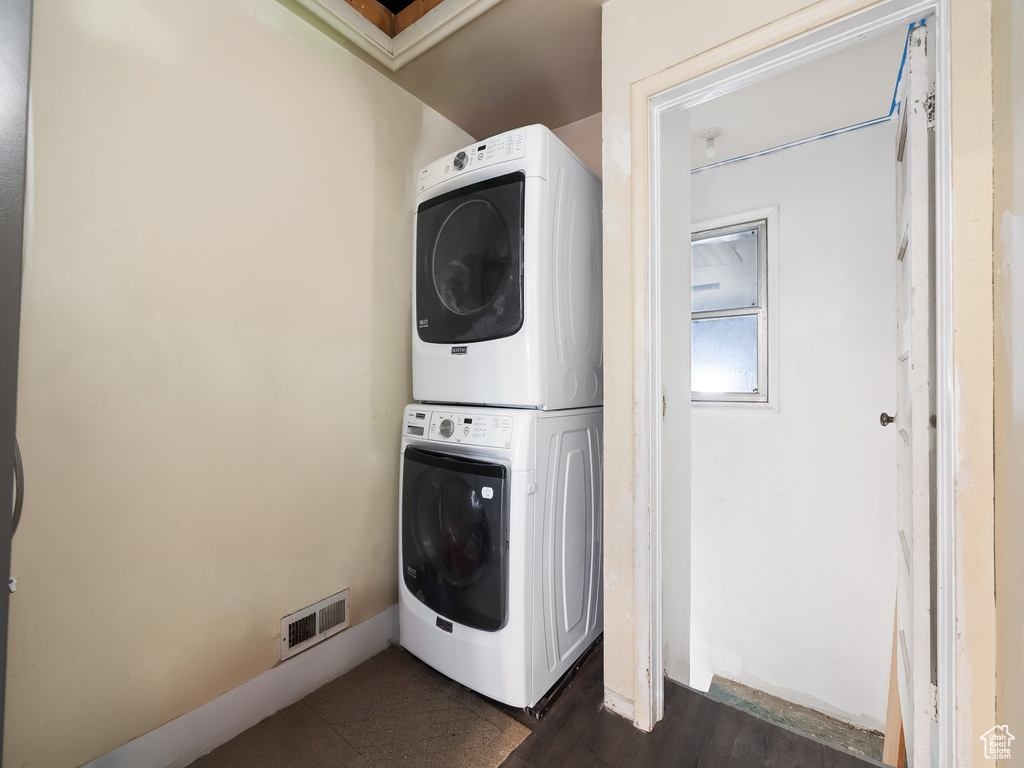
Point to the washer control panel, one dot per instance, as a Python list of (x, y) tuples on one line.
[(496, 149), (464, 428)]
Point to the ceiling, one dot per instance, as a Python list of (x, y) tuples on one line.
[(848, 87), (539, 61), (520, 62)]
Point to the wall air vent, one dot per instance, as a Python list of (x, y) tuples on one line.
[(309, 626)]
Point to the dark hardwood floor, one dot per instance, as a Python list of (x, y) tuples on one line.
[(697, 732)]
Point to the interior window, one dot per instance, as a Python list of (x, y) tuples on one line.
[(730, 313)]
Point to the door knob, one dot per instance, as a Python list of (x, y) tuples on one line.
[(886, 419)]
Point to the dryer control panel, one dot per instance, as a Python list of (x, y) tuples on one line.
[(496, 149), (463, 428)]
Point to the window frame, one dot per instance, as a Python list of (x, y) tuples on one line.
[(761, 311)]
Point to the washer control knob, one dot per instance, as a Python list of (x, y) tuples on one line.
[(460, 160), (447, 427)]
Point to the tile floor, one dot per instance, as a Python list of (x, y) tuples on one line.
[(392, 710)]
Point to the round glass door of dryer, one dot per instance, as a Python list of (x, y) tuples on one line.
[(471, 257), (469, 262), (454, 534)]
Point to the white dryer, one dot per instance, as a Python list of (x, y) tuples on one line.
[(500, 556), (507, 276)]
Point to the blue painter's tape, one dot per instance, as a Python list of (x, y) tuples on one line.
[(894, 108)]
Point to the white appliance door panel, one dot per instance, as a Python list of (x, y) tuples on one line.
[(506, 371), (574, 271), (497, 663), (570, 543)]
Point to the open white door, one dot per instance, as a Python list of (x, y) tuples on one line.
[(915, 402), (674, 356)]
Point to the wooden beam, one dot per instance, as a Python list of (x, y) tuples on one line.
[(413, 13), (893, 747), (376, 14)]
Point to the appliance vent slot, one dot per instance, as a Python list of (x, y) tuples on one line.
[(314, 624), (332, 615), (301, 630)]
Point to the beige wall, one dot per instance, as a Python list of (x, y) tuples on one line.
[(584, 138), (973, 361), (215, 355), (634, 49), (1008, 50)]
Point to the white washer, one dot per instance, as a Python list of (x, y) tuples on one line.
[(507, 276), (500, 564)]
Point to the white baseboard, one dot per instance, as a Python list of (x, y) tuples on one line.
[(189, 737), (618, 704)]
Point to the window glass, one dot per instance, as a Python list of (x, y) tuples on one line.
[(472, 258), (724, 355), (729, 323), (724, 271)]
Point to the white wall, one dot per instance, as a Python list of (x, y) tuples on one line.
[(215, 356), (794, 553)]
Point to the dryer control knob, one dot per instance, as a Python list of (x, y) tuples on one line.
[(460, 160), (447, 427)]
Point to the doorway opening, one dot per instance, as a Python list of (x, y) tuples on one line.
[(793, 512), (782, 202)]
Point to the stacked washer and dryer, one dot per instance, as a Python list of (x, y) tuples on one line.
[(500, 550)]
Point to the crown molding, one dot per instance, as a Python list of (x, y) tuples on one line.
[(394, 53)]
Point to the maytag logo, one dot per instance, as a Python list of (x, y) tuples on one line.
[(459, 350)]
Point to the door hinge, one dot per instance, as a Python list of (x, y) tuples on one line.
[(664, 406), (929, 109), (935, 702)]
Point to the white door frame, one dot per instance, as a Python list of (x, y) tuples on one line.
[(654, 100)]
